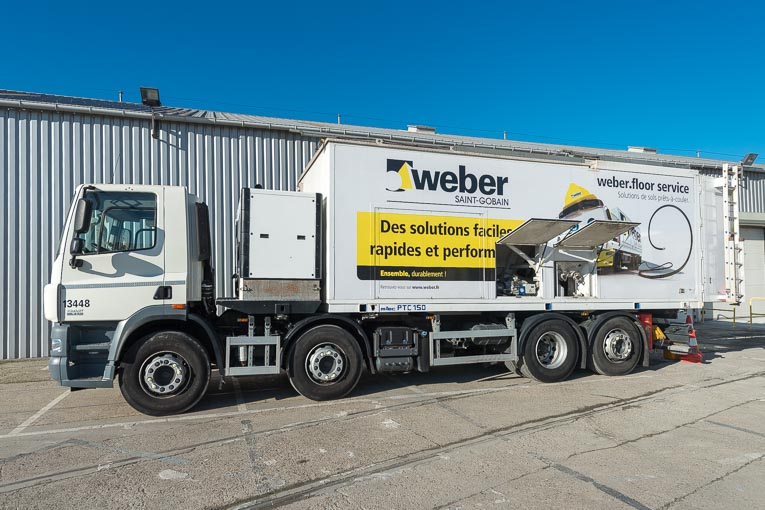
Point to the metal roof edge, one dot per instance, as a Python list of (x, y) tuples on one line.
[(322, 130), (456, 148)]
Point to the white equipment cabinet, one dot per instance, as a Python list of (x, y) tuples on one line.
[(280, 234)]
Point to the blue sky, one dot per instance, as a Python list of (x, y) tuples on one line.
[(679, 76)]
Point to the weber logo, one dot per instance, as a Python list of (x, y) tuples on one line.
[(403, 176)]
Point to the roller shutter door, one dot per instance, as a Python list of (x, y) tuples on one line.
[(754, 269)]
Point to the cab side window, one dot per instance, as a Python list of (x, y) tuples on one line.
[(121, 221)]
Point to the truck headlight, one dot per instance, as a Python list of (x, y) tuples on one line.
[(55, 346)]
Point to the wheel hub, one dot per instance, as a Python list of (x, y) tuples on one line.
[(551, 350), (164, 374), (325, 363), (617, 345)]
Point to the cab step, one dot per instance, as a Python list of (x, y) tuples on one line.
[(103, 346), (90, 382)]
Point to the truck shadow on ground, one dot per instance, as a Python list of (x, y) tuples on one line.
[(257, 389), (715, 340), (718, 338)]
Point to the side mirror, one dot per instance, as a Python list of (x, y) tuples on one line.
[(82, 216), (75, 248)]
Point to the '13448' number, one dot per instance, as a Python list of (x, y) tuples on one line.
[(75, 303)]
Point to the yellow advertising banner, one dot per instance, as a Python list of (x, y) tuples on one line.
[(427, 247)]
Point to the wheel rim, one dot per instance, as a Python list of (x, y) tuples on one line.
[(326, 363), (551, 350), (617, 345), (165, 374)]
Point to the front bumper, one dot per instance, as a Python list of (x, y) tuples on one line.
[(78, 362)]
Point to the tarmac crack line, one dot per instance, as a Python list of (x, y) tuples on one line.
[(42, 449), (170, 459), (601, 487), (250, 441), (86, 470), (492, 488), (62, 475), (658, 433), (706, 484), (441, 404), (740, 429), (240, 404), (263, 482)]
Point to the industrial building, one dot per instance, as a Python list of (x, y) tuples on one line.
[(50, 144)]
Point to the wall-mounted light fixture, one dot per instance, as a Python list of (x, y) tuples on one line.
[(150, 98), (749, 159)]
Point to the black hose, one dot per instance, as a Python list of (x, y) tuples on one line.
[(667, 265)]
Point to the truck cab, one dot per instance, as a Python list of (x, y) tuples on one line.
[(130, 258)]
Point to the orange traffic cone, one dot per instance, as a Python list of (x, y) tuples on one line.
[(694, 354)]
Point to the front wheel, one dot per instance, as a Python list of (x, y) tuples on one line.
[(165, 373), (325, 363), (550, 352)]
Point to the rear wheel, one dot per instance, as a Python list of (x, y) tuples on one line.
[(550, 352), (325, 363), (616, 348), (165, 373)]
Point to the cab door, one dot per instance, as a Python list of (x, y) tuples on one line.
[(120, 267)]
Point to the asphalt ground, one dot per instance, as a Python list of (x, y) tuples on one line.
[(675, 435)]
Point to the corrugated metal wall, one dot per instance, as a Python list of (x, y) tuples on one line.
[(46, 154), (752, 193)]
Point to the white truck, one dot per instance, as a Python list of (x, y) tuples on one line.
[(390, 258)]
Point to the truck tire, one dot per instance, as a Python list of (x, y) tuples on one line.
[(165, 373), (325, 363), (550, 352), (616, 348)]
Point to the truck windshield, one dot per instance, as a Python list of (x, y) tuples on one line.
[(120, 221)]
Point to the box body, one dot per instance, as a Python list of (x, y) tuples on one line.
[(417, 228)]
